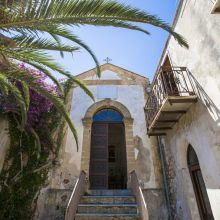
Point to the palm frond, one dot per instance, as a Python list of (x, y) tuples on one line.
[(37, 142), (48, 74), (37, 59), (61, 31), (69, 12), (3, 89), (60, 107), (30, 56), (42, 43), (83, 86), (25, 76), (26, 94), (65, 33), (27, 22), (18, 96)]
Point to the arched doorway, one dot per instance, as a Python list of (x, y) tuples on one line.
[(199, 185), (108, 165)]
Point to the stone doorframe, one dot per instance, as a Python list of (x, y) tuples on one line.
[(87, 124)]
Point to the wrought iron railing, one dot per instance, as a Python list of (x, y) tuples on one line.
[(175, 81)]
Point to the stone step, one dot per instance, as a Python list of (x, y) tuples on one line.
[(107, 208), (108, 200), (115, 192), (97, 216)]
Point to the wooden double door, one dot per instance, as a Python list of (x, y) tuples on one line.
[(107, 156)]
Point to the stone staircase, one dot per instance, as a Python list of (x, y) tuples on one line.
[(107, 205)]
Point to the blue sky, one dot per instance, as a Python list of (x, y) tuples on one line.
[(129, 49)]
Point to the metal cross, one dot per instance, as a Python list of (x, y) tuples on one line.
[(107, 59)]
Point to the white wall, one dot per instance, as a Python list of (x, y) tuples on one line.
[(200, 127), (202, 30), (132, 97)]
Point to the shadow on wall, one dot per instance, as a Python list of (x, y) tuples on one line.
[(200, 92), (142, 160)]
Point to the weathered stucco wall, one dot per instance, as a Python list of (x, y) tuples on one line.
[(201, 29), (135, 103), (201, 131), (128, 91), (200, 127), (52, 204), (4, 140)]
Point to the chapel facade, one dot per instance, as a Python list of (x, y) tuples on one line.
[(114, 150)]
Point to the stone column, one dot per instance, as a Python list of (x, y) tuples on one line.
[(87, 122), (129, 138)]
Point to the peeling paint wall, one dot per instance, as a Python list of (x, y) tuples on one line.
[(129, 91), (135, 103), (201, 29), (200, 127)]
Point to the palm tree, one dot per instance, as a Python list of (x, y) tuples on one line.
[(28, 28)]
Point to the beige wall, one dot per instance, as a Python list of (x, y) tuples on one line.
[(200, 127)]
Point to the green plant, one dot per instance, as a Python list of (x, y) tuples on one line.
[(32, 152)]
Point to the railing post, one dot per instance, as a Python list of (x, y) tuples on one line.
[(136, 189), (176, 82), (78, 191)]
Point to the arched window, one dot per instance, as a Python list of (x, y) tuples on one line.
[(199, 185), (107, 115)]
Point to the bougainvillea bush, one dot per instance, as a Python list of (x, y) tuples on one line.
[(39, 105), (32, 150)]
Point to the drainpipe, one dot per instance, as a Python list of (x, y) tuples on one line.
[(165, 180)]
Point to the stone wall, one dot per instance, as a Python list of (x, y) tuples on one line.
[(156, 204), (52, 204)]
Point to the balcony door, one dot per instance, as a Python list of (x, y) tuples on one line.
[(168, 78), (199, 185), (108, 167)]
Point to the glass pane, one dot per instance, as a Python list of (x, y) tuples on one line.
[(192, 157), (208, 210), (107, 115)]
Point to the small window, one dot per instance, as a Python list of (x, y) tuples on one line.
[(216, 7), (106, 115)]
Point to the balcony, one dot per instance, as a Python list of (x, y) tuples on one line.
[(172, 94)]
